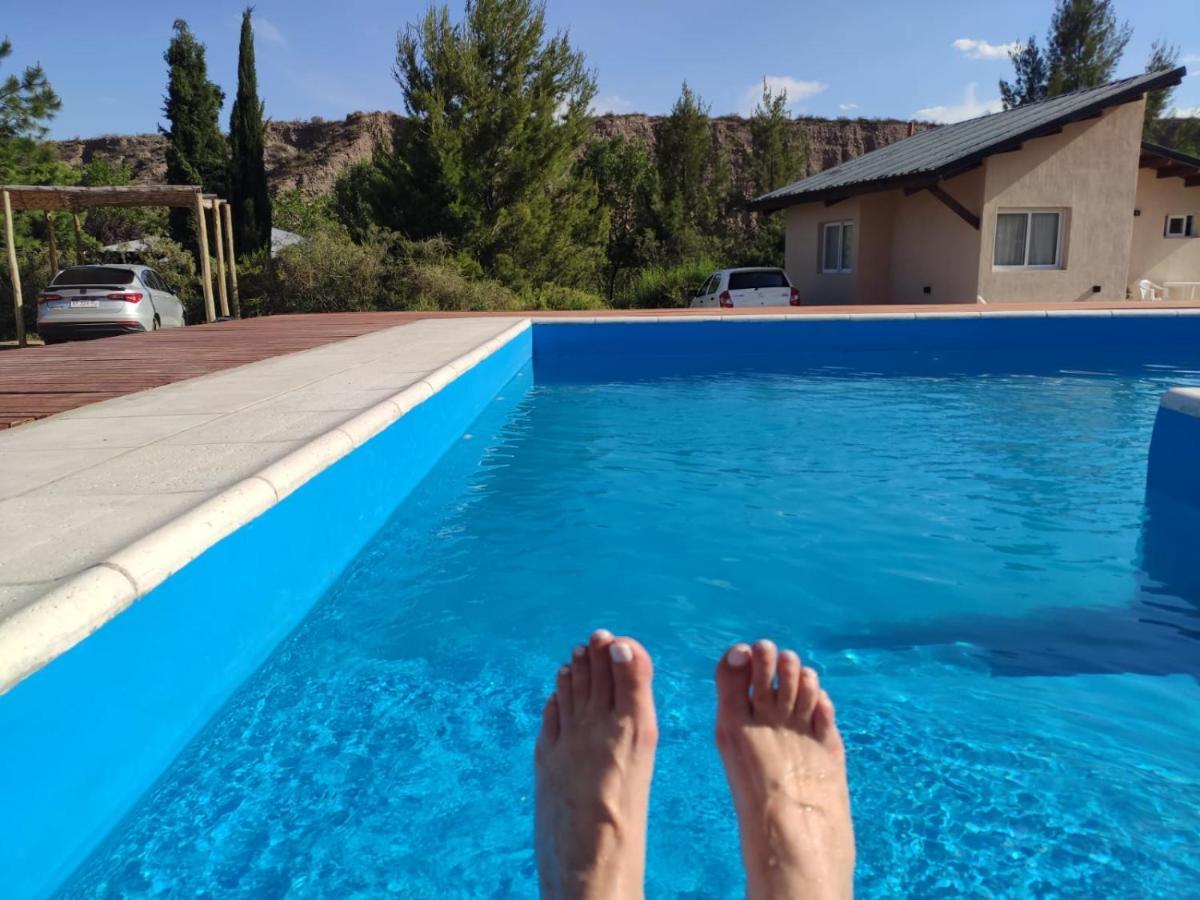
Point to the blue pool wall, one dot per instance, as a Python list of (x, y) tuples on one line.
[(1174, 468), (87, 735), (895, 345)]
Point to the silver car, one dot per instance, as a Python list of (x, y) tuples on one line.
[(98, 301)]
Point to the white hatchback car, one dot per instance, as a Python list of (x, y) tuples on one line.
[(97, 301), (737, 288)]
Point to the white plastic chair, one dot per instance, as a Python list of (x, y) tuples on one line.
[(1149, 290)]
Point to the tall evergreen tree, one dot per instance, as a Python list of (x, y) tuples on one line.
[(27, 104), (497, 110), (778, 156), (627, 186), (1031, 76), (249, 199), (1163, 56), (197, 152), (1083, 47), (684, 151)]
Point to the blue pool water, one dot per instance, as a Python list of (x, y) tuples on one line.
[(1009, 635)]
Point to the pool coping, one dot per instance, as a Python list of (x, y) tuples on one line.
[(49, 625), (77, 605)]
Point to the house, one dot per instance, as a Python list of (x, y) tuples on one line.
[(1059, 200)]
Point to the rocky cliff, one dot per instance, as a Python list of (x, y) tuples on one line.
[(311, 154)]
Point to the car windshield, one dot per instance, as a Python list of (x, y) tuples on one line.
[(767, 278), (93, 275)]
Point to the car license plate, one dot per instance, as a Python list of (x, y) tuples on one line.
[(85, 304)]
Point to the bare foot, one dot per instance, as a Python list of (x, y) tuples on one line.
[(594, 759), (787, 770)]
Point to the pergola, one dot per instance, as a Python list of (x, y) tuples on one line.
[(50, 199)]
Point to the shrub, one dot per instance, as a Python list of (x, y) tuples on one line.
[(556, 296), (666, 286), (327, 273)]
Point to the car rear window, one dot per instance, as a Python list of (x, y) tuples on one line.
[(769, 278), (93, 275)]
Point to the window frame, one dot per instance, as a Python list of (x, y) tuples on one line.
[(1189, 225), (845, 266), (1029, 214)]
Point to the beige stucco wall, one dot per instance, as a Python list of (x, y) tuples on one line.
[(1090, 171), (932, 246), (802, 253), (1156, 257)]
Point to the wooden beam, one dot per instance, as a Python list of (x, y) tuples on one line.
[(52, 242), (205, 269), (78, 239), (957, 208), (227, 217), (14, 271), (1176, 171), (221, 291)]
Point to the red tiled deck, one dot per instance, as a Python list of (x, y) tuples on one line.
[(36, 382)]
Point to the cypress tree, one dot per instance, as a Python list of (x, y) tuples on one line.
[(197, 152), (249, 199), (685, 155)]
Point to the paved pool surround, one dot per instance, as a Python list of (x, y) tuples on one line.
[(227, 505)]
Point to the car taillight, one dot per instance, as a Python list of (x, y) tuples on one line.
[(44, 298), (725, 300), (794, 298), (127, 296)]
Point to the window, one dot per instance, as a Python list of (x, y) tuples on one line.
[(764, 278), (1028, 240), (1180, 226), (837, 246), (93, 275)]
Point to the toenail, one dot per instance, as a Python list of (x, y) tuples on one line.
[(738, 656), (564, 670), (602, 634), (620, 652), (579, 652)]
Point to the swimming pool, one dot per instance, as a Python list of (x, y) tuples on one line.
[(957, 539)]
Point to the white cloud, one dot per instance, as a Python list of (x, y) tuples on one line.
[(1184, 112), (846, 107), (1191, 58), (797, 91), (971, 107), (264, 29), (980, 49), (610, 103)]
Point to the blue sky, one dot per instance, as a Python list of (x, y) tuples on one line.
[(938, 60)]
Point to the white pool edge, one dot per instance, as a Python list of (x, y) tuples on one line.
[(53, 623)]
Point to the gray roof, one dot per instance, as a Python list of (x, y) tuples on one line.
[(950, 149)]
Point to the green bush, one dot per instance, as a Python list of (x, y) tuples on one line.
[(556, 296), (657, 287), (328, 272)]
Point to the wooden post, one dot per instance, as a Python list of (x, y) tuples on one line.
[(78, 238), (14, 273), (233, 288), (205, 269), (52, 242), (221, 292)]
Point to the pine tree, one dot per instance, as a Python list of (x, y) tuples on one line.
[(1163, 57), (249, 199), (197, 152), (627, 187), (27, 104), (684, 151), (778, 157), (497, 110), (1083, 47), (1032, 79)]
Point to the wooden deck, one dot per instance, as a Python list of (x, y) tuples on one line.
[(36, 382)]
